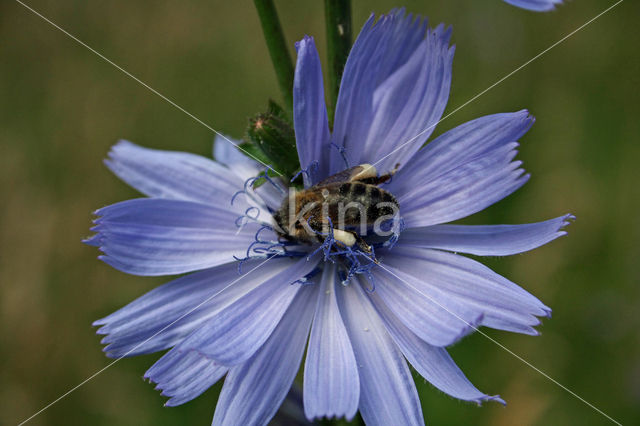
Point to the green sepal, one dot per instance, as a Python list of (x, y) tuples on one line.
[(261, 180), (277, 110), (253, 152)]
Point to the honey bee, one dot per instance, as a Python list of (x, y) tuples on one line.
[(338, 205)]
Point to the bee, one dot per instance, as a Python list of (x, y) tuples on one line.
[(344, 205)]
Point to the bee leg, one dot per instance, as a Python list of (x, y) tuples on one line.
[(363, 244), (365, 247), (345, 237), (377, 180), (365, 171)]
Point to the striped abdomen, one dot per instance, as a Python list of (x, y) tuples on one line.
[(357, 203)]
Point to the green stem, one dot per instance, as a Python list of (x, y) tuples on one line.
[(278, 49), (337, 15)]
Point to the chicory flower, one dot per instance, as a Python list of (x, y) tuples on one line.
[(252, 303)]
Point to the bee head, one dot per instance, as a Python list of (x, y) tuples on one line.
[(288, 226), (279, 218)]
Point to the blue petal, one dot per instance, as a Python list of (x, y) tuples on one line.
[(272, 195), (235, 333), (433, 363), (247, 168), (491, 240), (423, 313), (174, 175), (460, 145), (535, 5), (331, 384), (395, 86), (183, 376), (310, 113), (153, 236), (181, 176), (465, 288), (167, 314), (254, 390), (225, 151), (462, 191), (388, 395), (464, 143)]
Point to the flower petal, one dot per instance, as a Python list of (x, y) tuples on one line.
[(425, 315), (535, 5), (460, 145), (433, 363), (235, 333), (490, 240), (167, 314), (171, 174), (388, 394), (271, 193), (153, 236), (183, 376), (254, 390), (310, 113), (183, 176), (331, 384), (395, 87), (225, 151), (465, 287), (464, 190)]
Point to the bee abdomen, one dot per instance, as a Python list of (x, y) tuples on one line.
[(382, 203), (377, 195), (355, 191), (374, 201)]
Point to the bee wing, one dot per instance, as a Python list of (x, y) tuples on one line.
[(363, 171)]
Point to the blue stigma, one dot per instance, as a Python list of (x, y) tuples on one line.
[(313, 167), (263, 248), (343, 153), (306, 279), (268, 178), (248, 190), (397, 226), (353, 259)]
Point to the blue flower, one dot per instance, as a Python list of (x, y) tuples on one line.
[(535, 5), (253, 324)]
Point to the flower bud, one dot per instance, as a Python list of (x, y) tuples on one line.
[(272, 133)]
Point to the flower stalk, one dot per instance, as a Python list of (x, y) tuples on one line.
[(338, 26), (278, 50)]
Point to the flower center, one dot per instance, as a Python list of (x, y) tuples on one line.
[(345, 221)]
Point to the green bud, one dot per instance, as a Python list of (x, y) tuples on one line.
[(273, 135)]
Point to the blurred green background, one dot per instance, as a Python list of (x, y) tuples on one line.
[(62, 107)]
